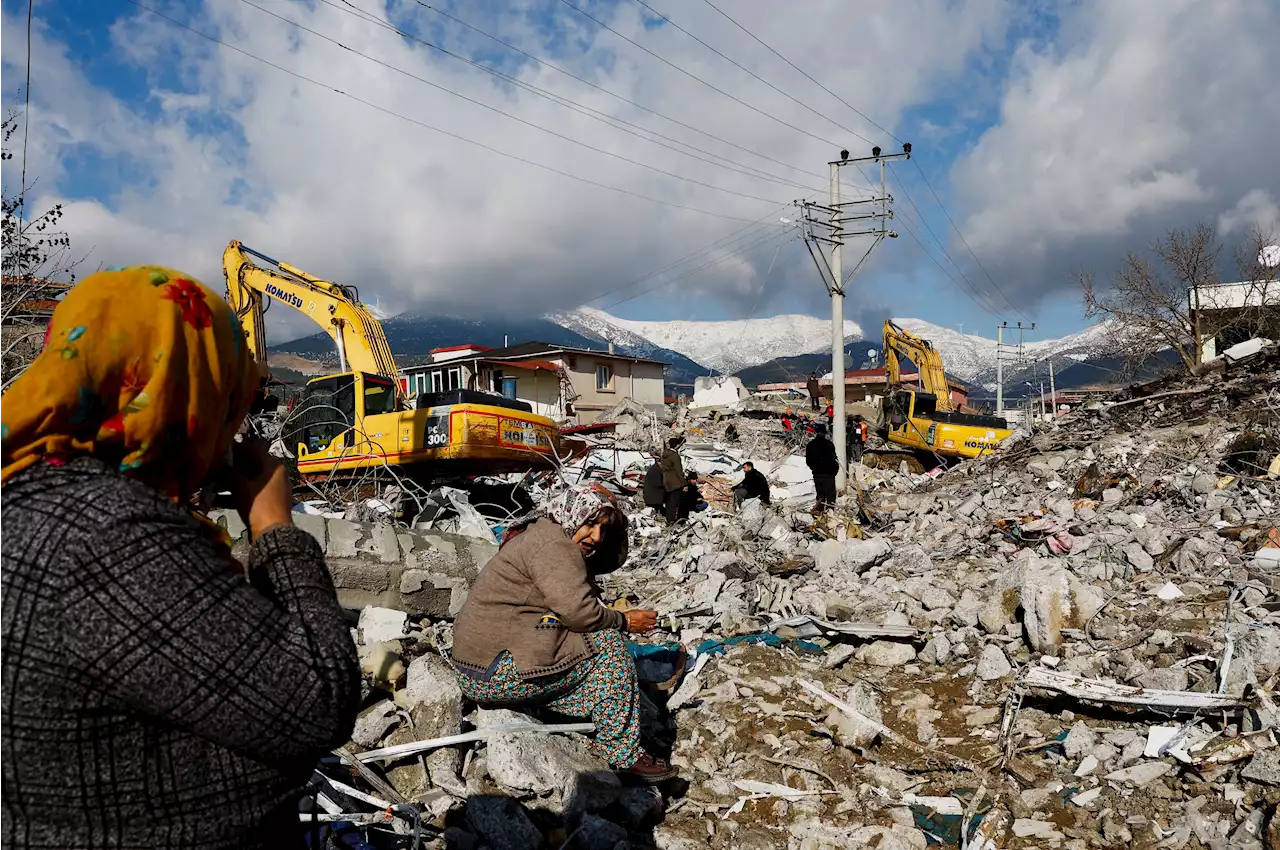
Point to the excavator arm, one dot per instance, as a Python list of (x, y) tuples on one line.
[(362, 345), (899, 344)]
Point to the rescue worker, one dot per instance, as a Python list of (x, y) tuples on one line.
[(820, 456), (788, 419), (752, 486), (857, 438), (831, 415), (673, 480), (815, 391)]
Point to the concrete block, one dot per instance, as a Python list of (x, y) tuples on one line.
[(360, 575), (382, 624), (385, 544), (313, 525), (407, 543), (429, 594), (344, 538)]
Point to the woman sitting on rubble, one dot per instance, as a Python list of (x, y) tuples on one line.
[(533, 629), (152, 696)]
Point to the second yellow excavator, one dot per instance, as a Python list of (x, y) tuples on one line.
[(927, 420), (359, 418)]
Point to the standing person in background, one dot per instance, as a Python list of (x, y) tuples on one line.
[(857, 438), (820, 456), (815, 390), (673, 480), (655, 494), (154, 698)]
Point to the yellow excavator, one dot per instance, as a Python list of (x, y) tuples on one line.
[(927, 420), (359, 419)]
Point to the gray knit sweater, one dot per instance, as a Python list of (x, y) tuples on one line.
[(151, 697)]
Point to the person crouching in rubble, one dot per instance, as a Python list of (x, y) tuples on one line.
[(752, 486), (691, 500), (820, 456), (533, 629), (152, 696)]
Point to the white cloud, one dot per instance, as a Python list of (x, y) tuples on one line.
[(422, 220), (1256, 208), (1141, 117)]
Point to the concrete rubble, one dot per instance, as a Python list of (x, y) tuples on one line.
[(1072, 643)]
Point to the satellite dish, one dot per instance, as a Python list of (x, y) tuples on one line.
[(871, 354), (1270, 256)]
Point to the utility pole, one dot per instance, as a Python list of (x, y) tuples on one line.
[(832, 271), (1053, 392), (1000, 368)]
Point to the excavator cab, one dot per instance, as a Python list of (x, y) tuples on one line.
[(333, 407)]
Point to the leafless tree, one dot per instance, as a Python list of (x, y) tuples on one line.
[(36, 262), (1147, 296)]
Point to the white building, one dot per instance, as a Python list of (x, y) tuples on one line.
[(562, 383), (1228, 313)]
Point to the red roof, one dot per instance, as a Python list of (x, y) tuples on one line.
[(460, 348)]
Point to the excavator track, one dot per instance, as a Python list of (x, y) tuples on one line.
[(891, 459)]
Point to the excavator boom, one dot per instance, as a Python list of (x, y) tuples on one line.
[(900, 343), (362, 344)]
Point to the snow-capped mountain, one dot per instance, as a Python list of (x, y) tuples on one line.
[(730, 346), (727, 346)]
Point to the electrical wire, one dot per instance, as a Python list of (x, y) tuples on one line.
[(941, 245), (503, 112), (751, 231), (986, 308), (878, 126), (965, 242), (424, 125), (747, 248), (544, 63), (756, 76), (594, 114), (806, 75), (695, 77)]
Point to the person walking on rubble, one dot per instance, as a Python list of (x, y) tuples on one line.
[(820, 456), (815, 390), (533, 629), (673, 480), (752, 486), (152, 696), (857, 439)]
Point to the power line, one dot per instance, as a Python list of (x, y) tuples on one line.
[(941, 245), (756, 76), (611, 121), (722, 242), (693, 76), (973, 295), (868, 118), (966, 244), (861, 114), (433, 128), (746, 248), (544, 63), (506, 114), (26, 122)]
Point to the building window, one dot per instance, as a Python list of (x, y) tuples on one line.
[(453, 379), (604, 378), (436, 382), (495, 380)]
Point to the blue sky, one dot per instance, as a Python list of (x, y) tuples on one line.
[(1056, 136)]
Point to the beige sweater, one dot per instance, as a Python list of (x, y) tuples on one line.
[(538, 573)]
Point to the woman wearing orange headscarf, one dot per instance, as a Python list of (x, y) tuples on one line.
[(152, 696)]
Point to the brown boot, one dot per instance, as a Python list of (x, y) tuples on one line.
[(650, 770)]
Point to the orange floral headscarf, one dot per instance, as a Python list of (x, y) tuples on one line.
[(142, 367)]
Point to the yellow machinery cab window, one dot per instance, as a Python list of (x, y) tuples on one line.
[(379, 395)]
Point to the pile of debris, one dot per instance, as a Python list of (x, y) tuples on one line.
[(1072, 643)]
